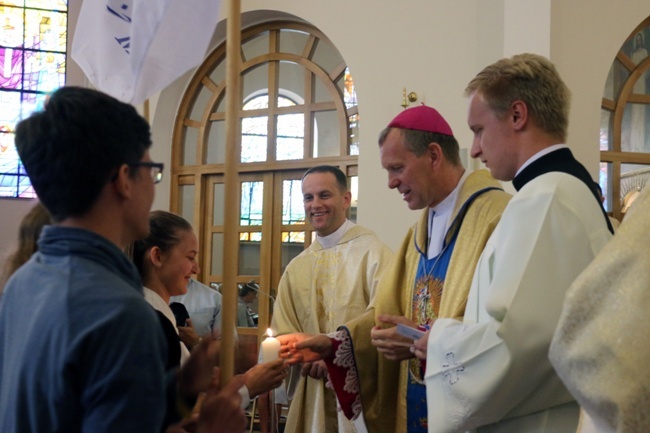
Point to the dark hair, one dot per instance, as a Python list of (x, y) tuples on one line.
[(71, 149), (28, 233), (418, 142), (245, 289), (341, 180), (164, 228)]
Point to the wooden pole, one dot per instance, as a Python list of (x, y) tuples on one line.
[(231, 184)]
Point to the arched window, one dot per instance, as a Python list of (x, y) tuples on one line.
[(290, 131), (32, 64), (298, 109), (625, 123)]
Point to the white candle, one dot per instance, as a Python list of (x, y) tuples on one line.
[(270, 347)]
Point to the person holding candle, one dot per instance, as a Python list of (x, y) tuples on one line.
[(329, 283), (166, 260)]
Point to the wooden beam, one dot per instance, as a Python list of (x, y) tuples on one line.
[(231, 181)]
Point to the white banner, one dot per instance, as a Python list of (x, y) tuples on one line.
[(132, 49)]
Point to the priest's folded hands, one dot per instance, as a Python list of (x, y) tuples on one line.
[(299, 347)]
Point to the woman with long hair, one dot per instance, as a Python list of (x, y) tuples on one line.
[(28, 233), (166, 260)]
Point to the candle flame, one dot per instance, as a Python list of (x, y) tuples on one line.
[(269, 332)]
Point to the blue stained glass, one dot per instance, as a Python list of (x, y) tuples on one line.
[(25, 189), (32, 65)]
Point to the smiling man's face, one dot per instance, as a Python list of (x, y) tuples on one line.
[(325, 202)]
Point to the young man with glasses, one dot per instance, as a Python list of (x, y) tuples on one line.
[(80, 349)]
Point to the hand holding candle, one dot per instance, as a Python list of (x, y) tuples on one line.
[(270, 347)]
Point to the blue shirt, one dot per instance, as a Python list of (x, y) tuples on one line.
[(80, 349), (204, 307)]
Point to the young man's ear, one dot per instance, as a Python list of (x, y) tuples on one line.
[(519, 114), (121, 182)]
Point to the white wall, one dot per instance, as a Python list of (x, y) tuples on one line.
[(586, 36), (432, 47)]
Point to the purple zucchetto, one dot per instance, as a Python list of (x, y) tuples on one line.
[(421, 118)]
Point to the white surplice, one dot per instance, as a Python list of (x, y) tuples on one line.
[(492, 370)]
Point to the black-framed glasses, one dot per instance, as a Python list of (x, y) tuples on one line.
[(156, 169)]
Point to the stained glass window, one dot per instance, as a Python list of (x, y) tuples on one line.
[(32, 65)]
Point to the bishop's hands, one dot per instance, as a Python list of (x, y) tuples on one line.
[(299, 348), (388, 342)]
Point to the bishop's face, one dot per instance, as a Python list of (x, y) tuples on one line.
[(408, 173)]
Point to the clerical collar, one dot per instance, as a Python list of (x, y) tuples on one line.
[(333, 238), (558, 160), (440, 218), (539, 154)]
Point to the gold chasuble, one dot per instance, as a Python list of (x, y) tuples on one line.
[(383, 382), (321, 289), (600, 348)]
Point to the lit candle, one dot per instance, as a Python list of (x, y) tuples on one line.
[(270, 347)]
